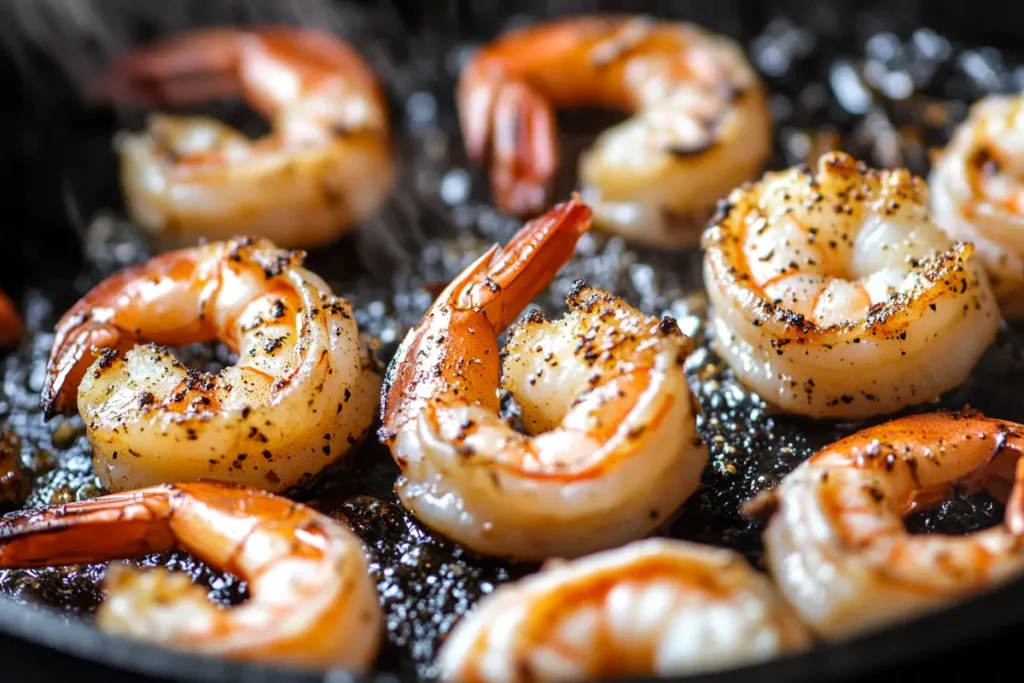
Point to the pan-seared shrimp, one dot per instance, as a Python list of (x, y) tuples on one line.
[(12, 329), (977, 193), (302, 393), (700, 123), (613, 446), (312, 601), (326, 165), (836, 543), (835, 296), (656, 607)]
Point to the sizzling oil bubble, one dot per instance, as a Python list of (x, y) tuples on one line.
[(426, 583)]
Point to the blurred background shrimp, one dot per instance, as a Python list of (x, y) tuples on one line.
[(835, 296), (836, 543), (977, 192), (657, 607), (302, 394), (312, 601), (326, 165), (12, 327), (612, 447), (700, 123)]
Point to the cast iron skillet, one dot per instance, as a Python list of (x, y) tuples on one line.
[(46, 646)]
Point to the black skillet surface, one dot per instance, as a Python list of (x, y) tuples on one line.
[(62, 175)]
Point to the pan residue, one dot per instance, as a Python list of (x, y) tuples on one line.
[(886, 99)]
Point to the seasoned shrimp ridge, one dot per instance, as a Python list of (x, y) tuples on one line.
[(836, 543), (301, 395), (977, 193), (312, 601), (700, 123), (657, 607), (835, 296), (613, 447), (326, 165)]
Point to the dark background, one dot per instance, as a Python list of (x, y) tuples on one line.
[(52, 179)]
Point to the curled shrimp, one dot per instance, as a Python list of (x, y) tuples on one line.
[(977, 193), (654, 607), (700, 122), (835, 296), (12, 328), (326, 165), (836, 543), (312, 601), (301, 395), (614, 447)]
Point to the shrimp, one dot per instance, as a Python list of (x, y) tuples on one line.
[(836, 544), (613, 446), (326, 165), (701, 124), (835, 296), (302, 394), (656, 607), (12, 329), (977, 186), (312, 601)]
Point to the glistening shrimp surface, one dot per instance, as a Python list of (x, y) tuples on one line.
[(824, 93)]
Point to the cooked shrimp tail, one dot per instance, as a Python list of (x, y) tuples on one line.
[(512, 126), (312, 602), (186, 69), (325, 166), (112, 526), (222, 62), (77, 344), (499, 284), (528, 263)]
